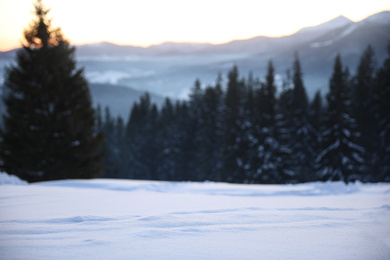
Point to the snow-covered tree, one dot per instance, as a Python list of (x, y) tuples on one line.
[(340, 157), (49, 123), (209, 132), (363, 104), (382, 116), (231, 167), (272, 152), (315, 113), (301, 137), (140, 140)]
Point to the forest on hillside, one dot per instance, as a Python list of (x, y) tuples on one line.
[(243, 130)]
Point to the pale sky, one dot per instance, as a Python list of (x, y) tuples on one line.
[(147, 22)]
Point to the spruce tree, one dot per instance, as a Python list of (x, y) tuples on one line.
[(272, 166), (141, 140), (195, 137), (382, 119), (49, 122), (301, 131), (315, 114), (112, 144), (170, 143), (363, 88), (249, 129), (340, 158), (363, 103), (210, 134), (232, 129)]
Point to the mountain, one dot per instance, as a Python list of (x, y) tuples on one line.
[(119, 99), (170, 69), (380, 18), (332, 24)]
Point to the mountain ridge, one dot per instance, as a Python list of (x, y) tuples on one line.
[(382, 17), (170, 69), (339, 21)]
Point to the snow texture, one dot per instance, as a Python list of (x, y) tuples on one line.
[(124, 219), (10, 179)]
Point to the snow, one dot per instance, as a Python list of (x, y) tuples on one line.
[(126, 219), (10, 179), (332, 24), (348, 30), (380, 18)]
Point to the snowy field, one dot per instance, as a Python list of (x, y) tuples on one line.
[(122, 219)]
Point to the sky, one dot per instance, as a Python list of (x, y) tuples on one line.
[(148, 22)]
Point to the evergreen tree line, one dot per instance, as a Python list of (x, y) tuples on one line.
[(241, 130)]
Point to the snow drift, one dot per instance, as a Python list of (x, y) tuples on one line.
[(5, 178), (123, 219)]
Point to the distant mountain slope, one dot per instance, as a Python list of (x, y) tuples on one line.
[(119, 99), (170, 69), (332, 24)]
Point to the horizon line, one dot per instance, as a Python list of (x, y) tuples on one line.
[(145, 46)]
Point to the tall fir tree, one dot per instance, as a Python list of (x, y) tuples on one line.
[(184, 137), (271, 151), (113, 142), (171, 144), (141, 140), (194, 132), (340, 158), (315, 114), (210, 134), (301, 135), (363, 88), (363, 103), (231, 141), (49, 123), (381, 106), (249, 128)]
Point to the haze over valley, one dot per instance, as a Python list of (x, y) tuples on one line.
[(170, 69)]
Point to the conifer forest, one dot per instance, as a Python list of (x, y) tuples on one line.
[(241, 129), (245, 129)]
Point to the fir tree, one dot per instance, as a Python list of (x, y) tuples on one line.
[(249, 129), (271, 151), (300, 101), (381, 106), (232, 134), (49, 123), (210, 133), (112, 144), (195, 137), (363, 86), (301, 135), (363, 103), (340, 157), (315, 115), (170, 147), (141, 140), (316, 112), (184, 136)]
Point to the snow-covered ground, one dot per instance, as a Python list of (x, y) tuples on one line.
[(122, 219)]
